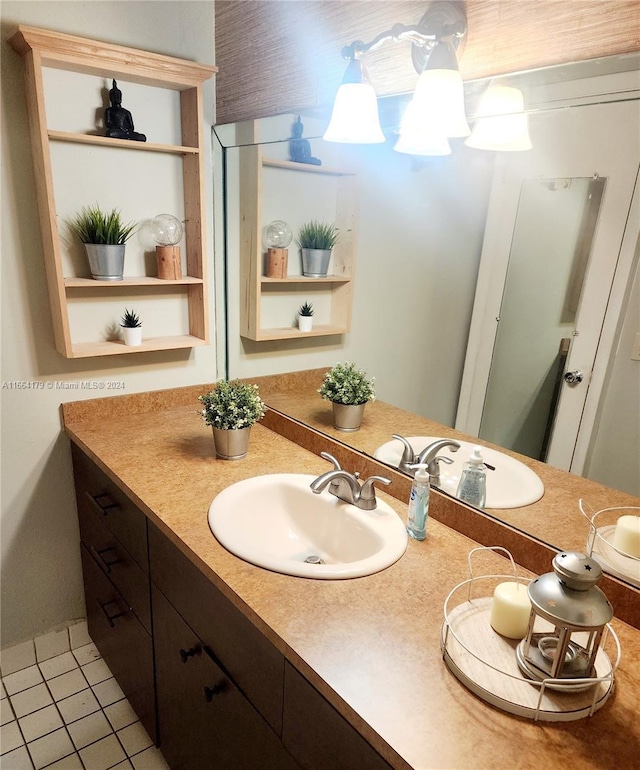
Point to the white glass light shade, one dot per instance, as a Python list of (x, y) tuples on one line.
[(166, 229), (501, 125), (416, 138), (354, 119), (439, 102)]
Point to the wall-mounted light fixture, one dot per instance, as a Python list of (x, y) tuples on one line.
[(437, 108), (436, 111)]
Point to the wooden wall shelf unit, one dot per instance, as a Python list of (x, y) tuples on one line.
[(254, 286), (41, 49)]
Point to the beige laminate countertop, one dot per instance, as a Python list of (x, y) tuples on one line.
[(370, 645)]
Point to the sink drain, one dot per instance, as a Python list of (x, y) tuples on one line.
[(313, 559)]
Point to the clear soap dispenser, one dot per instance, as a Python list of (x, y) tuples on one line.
[(419, 503), (473, 481)]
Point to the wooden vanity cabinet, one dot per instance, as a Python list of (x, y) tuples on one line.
[(211, 690), (204, 720), (317, 735), (254, 663), (116, 583)]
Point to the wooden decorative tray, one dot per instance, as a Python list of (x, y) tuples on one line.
[(485, 662)]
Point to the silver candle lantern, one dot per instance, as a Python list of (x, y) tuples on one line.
[(569, 599)]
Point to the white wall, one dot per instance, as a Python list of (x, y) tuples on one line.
[(41, 578)]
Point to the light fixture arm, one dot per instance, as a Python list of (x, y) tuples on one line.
[(444, 20), (417, 34)]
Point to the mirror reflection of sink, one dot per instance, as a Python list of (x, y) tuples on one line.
[(511, 485), (278, 523)]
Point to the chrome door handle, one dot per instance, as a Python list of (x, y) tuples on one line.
[(573, 378)]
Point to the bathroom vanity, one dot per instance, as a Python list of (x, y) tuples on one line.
[(274, 671)]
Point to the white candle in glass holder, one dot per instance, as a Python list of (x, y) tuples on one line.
[(626, 537), (510, 610)]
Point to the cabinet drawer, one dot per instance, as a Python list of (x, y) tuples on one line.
[(115, 561), (112, 506), (317, 736), (253, 662), (204, 720), (122, 641)]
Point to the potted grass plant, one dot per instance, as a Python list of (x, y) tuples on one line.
[(305, 317), (316, 241), (131, 328), (349, 389), (231, 408), (104, 235)]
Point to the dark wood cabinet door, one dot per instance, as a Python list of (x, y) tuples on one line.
[(205, 723), (122, 641), (317, 735), (253, 662)]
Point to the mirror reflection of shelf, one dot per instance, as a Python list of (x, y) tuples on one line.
[(287, 333), (300, 279), (305, 193)]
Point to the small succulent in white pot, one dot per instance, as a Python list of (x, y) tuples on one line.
[(231, 408), (131, 328), (349, 389), (305, 317)]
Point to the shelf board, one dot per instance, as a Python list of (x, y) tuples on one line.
[(289, 333), (117, 347), (306, 167), (147, 281), (127, 144), (297, 279)]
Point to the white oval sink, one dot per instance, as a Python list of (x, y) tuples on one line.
[(278, 523), (511, 485)]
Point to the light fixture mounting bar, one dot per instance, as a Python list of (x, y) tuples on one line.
[(444, 20)]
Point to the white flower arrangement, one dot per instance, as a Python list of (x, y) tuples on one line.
[(346, 384), (232, 405)]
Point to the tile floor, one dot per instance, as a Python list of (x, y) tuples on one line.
[(62, 709)]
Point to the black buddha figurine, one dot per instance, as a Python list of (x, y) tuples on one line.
[(118, 120), (299, 148)]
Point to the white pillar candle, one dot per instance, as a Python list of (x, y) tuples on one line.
[(510, 610), (627, 535)]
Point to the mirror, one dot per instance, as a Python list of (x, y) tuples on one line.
[(423, 233)]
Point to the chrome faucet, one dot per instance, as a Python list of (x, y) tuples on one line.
[(429, 457), (345, 485)]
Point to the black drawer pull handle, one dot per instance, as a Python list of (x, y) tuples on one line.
[(108, 564), (110, 618), (210, 692), (105, 507), (186, 654)]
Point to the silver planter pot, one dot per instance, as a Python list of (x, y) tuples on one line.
[(347, 417), (315, 262), (231, 444), (106, 261)]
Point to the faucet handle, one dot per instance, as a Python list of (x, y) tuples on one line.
[(331, 459), (368, 491), (408, 455)]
